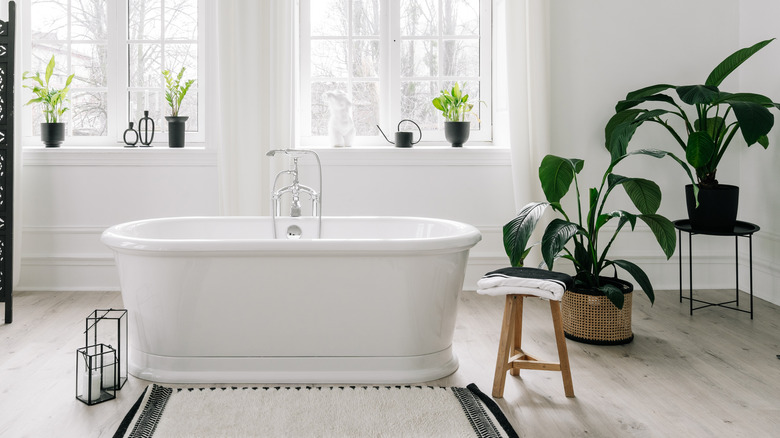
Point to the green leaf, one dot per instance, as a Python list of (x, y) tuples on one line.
[(754, 120), (648, 91), (518, 231), (49, 69), (744, 97), (456, 91), (436, 103), (733, 61), (582, 258), (639, 275), (716, 127), (626, 104), (613, 293), (35, 100), (645, 194), (698, 94), (69, 80), (556, 236), (663, 230), (556, 175), (763, 141), (700, 149)]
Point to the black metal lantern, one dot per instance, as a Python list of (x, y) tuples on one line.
[(144, 132), (96, 370), (109, 326)]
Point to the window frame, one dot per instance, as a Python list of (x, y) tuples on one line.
[(118, 86), (390, 78)]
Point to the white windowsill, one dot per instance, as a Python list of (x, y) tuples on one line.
[(443, 155), (196, 154)]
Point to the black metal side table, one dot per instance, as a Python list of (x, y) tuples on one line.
[(741, 229)]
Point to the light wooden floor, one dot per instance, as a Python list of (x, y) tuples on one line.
[(713, 374)]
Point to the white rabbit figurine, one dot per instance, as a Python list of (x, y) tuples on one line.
[(341, 127)]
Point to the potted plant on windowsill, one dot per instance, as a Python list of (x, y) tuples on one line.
[(174, 94), (53, 102), (704, 139), (598, 309), (455, 107)]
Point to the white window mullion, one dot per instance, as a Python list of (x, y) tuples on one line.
[(305, 69), (392, 76), (117, 63)]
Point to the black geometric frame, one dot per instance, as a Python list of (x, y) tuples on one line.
[(7, 38)]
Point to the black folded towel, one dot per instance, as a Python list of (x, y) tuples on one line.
[(538, 274)]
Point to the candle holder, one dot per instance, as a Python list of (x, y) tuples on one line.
[(109, 326), (144, 133), (96, 372), (136, 137)]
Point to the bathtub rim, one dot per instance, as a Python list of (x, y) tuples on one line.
[(465, 237)]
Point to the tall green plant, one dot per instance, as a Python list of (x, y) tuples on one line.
[(52, 99), (175, 90), (705, 137), (453, 104), (578, 239)]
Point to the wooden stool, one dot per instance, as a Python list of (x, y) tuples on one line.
[(512, 358)]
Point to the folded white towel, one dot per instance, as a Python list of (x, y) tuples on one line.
[(499, 284)]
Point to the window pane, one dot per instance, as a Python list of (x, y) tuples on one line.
[(365, 17), (416, 97), (145, 67), (319, 107), (51, 20), (189, 108), (89, 20), (147, 100), (329, 17), (182, 55), (365, 107), (461, 57), (460, 17), (144, 19), (90, 113), (181, 19), (365, 58), (41, 55), (89, 65), (419, 58), (419, 17), (329, 58)]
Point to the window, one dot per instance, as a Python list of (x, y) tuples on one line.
[(392, 57), (117, 51)]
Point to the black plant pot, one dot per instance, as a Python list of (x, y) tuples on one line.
[(457, 133), (52, 134), (591, 318), (176, 131), (717, 210)]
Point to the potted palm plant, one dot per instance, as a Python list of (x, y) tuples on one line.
[(703, 137), (598, 309), (455, 107), (53, 103), (175, 91)]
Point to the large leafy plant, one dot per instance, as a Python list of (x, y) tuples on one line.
[(707, 134), (453, 104), (52, 99), (578, 239), (175, 90)]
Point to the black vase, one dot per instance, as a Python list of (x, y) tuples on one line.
[(717, 210), (176, 130), (52, 134), (457, 133)]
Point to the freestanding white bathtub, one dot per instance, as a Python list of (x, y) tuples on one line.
[(218, 300)]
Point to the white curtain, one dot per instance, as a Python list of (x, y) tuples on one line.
[(523, 91), (256, 95)]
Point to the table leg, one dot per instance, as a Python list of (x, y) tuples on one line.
[(736, 264), (690, 271), (679, 242), (750, 241)]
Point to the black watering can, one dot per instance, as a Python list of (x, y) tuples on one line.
[(403, 139)]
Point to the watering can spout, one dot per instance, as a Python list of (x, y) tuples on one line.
[(383, 134), (403, 139)]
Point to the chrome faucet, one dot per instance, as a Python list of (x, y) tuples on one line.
[(296, 188)]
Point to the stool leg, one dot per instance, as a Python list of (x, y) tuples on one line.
[(518, 333), (563, 354), (504, 346)]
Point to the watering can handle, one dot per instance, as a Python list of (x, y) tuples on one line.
[(383, 134), (399, 128)]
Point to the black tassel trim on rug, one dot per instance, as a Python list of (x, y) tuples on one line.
[(150, 416), (494, 409), (120, 432)]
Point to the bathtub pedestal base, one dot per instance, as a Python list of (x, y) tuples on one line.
[(305, 370)]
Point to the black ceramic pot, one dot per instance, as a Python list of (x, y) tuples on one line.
[(457, 133), (591, 318), (52, 134), (717, 210), (176, 131)]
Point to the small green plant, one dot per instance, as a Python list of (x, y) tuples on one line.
[(453, 104), (174, 90), (53, 99)]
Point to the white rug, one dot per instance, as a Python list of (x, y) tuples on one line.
[(351, 411)]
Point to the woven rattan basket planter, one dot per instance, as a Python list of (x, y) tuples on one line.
[(589, 316)]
